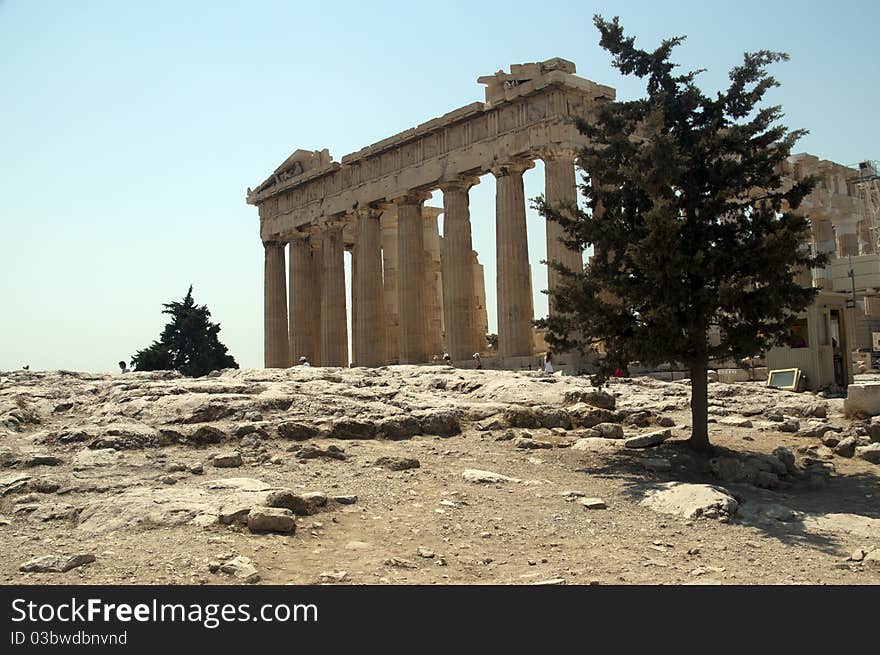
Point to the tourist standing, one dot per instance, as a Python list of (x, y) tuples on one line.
[(548, 362)]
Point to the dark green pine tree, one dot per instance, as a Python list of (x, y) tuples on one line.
[(189, 342), (690, 221)]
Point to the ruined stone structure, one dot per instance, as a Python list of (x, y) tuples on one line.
[(839, 229), (414, 293)]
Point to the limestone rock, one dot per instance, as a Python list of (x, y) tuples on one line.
[(399, 427), (303, 504), (869, 453), (227, 460), (789, 425), (486, 477), (648, 439), (242, 569), (587, 416), (521, 417), (271, 519), (56, 563), (553, 417), (297, 431), (491, 423), (531, 444), (735, 422), (593, 503), (347, 428), (691, 501), (309, 451), (91, 458), (846, 447), (40, 459), (595, 444), (439, 422), (784, 454), (609, 430), (599, 399), (398, 463), (207, 434)]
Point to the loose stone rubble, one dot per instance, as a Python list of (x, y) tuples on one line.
[(426, 474)]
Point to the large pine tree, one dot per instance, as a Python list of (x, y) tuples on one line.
[(691, 224), (189, 343)]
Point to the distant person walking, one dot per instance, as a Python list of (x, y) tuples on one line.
[(479, 362), (447, 359), (304, 361), (123, 367), (548, 362)]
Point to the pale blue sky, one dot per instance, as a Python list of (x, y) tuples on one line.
[(130, 131)]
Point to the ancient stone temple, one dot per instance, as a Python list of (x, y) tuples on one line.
[(415, 292)]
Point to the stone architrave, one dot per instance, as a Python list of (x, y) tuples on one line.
[(305, 302), (412, 343), (560, 192), (368, 340), (512, 261), (459, 310), (277, 350), (334, 328)]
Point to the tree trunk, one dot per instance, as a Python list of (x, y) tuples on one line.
[(699, 440)]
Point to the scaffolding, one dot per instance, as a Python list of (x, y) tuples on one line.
[(867, 188)]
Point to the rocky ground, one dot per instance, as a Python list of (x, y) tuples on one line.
[(427, 475)]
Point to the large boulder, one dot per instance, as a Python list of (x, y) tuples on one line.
[(349, 428), (400, 426), (297, 431), (691, 501), (485, 477), (439, 422), (553, 417), (586, 416), (521, 417), (271, 519), (648, 439), (595, 398), (869, 453)]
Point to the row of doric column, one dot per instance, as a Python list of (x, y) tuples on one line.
[(408, 286)]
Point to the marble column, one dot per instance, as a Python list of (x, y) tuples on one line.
[(412, 343), (276, 352), (305, 302), (459, 311), (433, 296), (334, 327), (512, 261), (560, 193), (388, 226), (369, 335)]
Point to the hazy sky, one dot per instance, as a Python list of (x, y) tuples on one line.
[(130, 131)]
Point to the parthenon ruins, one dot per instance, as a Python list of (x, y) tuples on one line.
[(413, 292)]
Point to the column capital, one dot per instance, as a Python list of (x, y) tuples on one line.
[(274, 243), (514, 167), (415, 197), (558, 151), (328, 224), (369, 211), (459, 183)]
